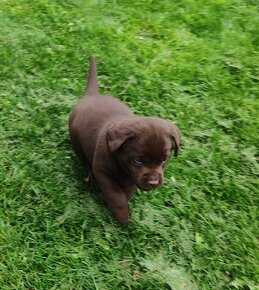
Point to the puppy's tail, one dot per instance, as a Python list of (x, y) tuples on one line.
[(91, 87)]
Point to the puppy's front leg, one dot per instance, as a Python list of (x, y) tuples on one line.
[(114, 197)]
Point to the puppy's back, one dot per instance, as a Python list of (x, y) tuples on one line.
[(93, 112)]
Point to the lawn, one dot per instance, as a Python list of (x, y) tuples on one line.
[(191, 62)]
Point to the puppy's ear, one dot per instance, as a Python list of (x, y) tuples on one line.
[(175, 135), (117, 135)]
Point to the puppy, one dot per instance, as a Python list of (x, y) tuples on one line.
[(120, 150)]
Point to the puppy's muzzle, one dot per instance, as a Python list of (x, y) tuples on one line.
[(150, 182)]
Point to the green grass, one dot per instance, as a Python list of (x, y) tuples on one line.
[(192, 62)]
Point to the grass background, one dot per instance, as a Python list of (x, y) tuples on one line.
[(192, 62)]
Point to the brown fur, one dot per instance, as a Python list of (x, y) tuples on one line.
[(121, 151)]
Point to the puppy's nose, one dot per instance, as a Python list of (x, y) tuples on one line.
[(153, 182)]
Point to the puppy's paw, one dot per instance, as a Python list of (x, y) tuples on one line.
[(123, 221), (89, 180), (122, 216)]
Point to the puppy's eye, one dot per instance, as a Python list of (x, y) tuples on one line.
[(138, 160), (164, 160)]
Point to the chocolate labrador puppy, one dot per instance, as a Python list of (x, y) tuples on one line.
[(120, 151)]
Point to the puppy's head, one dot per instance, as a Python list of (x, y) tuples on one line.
[(142, 146)]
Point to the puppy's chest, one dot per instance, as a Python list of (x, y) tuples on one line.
[(124, 180), (128, 186)]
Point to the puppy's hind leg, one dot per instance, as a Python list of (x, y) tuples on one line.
[(90, 178), (81, 156)]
